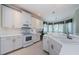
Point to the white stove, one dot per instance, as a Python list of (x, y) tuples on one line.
[(27, 35), (27, 40)]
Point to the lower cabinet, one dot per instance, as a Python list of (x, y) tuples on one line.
[(51, 48), (45, 43), (6, 45), (9, 44), (36, 37), (54, 46), (17, 42)]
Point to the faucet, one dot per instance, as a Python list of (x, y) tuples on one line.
[(68, 36)]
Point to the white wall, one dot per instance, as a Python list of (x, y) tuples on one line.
[(76, 22)]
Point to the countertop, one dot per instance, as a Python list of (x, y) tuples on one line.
[(6, 35)]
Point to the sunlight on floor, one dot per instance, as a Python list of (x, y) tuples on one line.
[(35, 49)]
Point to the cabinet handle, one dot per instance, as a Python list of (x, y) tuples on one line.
[(13, 40), (52, 46)]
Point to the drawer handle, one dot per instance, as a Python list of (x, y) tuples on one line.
[(13, 40), (52, 46)]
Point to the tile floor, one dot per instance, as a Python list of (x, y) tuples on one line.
[(35, 49)]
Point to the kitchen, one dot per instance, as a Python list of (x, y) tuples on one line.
[(18, 28), (39, 29)]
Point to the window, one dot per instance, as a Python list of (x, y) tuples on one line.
[(69, 27), (50, 28), (60, 27), (45, 28), (56, 28)]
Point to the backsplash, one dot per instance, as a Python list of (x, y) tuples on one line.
[(10, 31)]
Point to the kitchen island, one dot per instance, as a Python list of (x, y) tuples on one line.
[(59, 44)]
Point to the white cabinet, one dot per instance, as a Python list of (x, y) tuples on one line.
[(17, 19), (37, 23), (17, 43), (46, 43), (6, 44), (11, 18), (7, 17), (36, 37), (14, 19), (54, 46), (51, 48), (26, 18), (10, 43)]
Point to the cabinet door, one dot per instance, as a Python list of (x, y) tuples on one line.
[(34, 38), (17, 42), (6, 45), (37, 37), (54, 46), (26, 18), (17, 19), (45, 43), (7, 17)]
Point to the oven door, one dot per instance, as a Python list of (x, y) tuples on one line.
[(27, 40)]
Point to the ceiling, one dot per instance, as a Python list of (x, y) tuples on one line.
[(51, 12)]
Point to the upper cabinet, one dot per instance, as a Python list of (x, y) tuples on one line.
[(17, 19), (37, 23), (7, 17), (12, 18), (26, 18)]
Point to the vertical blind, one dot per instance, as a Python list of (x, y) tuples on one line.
[(58, 26)]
